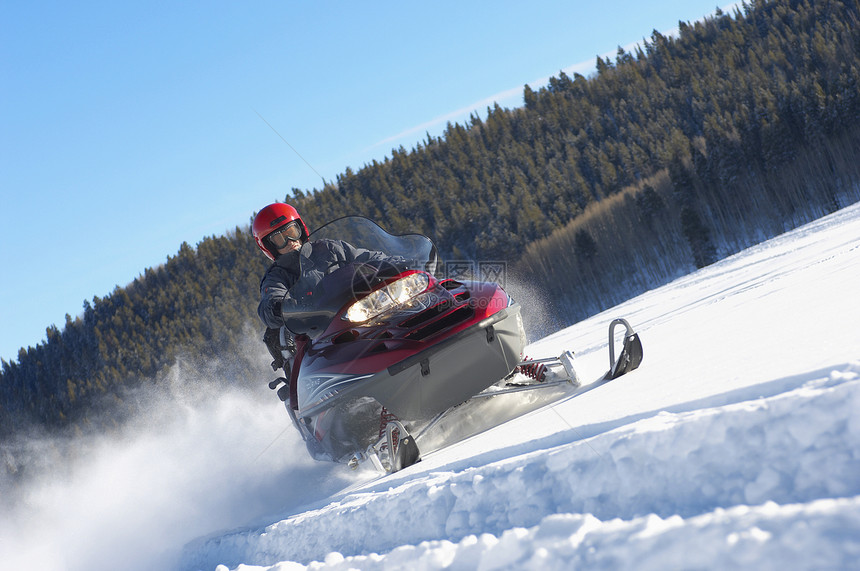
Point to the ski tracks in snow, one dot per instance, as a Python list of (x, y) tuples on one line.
[(752, 483)]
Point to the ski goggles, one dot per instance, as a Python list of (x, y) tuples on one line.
[(292, 232)]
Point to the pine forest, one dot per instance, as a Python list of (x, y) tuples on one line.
[(596, 189)]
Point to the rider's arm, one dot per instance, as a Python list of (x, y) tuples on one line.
[(274, 294)]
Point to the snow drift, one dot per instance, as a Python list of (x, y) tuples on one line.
[(778, 461)]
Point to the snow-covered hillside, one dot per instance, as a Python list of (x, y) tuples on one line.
[(736, 443)]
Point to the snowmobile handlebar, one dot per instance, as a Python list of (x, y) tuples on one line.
[(309, 321)]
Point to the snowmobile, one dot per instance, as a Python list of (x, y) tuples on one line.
[(384, 349)]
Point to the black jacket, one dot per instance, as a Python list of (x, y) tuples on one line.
[(318, 258)]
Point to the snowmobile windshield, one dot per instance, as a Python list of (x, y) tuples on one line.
[(344, 261)]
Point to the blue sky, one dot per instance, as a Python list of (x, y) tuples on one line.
[(128, 128)]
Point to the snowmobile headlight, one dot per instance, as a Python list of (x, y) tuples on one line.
[(387, 297)]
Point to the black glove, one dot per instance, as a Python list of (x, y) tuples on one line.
[(272, 339)]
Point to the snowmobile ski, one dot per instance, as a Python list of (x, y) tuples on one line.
[(631, 351), (565, 373)]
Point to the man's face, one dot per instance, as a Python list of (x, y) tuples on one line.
[(289, 247), (287, 238)]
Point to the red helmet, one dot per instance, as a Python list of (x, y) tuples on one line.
[(271, 218)]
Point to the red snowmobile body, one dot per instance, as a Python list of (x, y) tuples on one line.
[(381, 339)]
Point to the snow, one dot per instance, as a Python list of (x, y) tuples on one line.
[(735, 444), (726, 482)]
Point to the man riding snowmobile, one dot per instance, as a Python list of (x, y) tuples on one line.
[(378, 350), (280, 233)]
